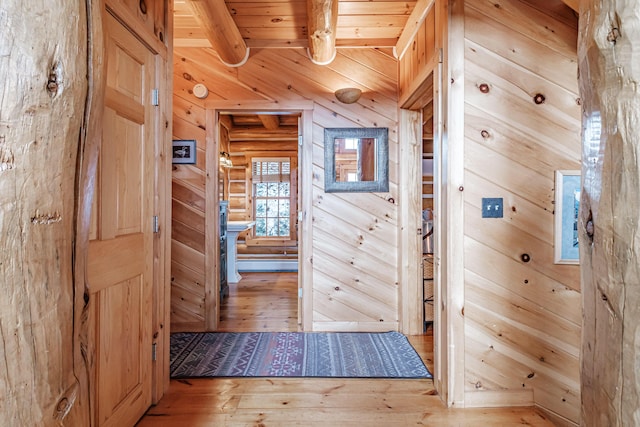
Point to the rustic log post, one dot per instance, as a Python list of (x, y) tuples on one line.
[(43, 74), (322, 22), (221, 31), (609, 75)]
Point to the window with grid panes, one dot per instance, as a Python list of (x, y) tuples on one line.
[(271, 178)]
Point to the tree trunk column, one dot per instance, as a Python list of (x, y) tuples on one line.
[(609, 75)]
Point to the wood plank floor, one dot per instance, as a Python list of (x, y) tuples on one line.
[(268, 302)]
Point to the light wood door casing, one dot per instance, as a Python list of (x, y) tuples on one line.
[(120, 269)]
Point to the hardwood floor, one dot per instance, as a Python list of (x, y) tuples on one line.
[(268, 302)]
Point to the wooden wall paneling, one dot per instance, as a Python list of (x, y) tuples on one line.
[(497, 135), (521, 124), (523, 49), (287, 76), (504, 81), (365, 243), (534, 23), (372, 310), (535, 286), (380, 287), (224, 80), (509, 108), (527, 216)]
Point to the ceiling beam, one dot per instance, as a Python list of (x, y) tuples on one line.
[(269, 121), (322, 23), (221, 31)]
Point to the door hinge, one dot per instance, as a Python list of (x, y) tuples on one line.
[(299, 292), (154, 352), (300, 140), (155, 97), (156, 224), (440, 55)]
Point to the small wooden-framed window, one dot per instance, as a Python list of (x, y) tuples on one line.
[(274, 198)]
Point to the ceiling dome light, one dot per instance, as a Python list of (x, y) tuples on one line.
[(348, 95)]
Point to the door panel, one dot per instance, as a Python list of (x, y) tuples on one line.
[(121, 250)]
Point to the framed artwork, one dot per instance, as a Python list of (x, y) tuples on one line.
[(184, 151), (567, 203)]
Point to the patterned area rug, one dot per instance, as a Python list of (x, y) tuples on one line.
[(294, 354)]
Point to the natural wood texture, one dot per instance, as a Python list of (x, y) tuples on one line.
[(43, 113), (55, 346), (284, 24), (366, 223), (223, 34), (419, 57), (411, 308), (263, 302), (322, 23), (573, 4), (609, 212), (413, 26), (120, 260), (267, 302), (513, 145)]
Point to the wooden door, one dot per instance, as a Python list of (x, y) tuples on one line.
[(121, 249)]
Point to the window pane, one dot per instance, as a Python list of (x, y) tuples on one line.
[(284, 189), (261, 208), (261, 189), (272, 208), (272, 227), (261, 227), (284, 208), (284, 226), (272, 190)]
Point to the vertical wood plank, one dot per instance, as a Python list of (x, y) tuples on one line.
[(452, 214), (410, 136), (212, 232)]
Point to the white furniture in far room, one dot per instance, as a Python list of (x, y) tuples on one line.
[(233, 229)]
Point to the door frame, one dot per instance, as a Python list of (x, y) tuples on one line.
[(448, 98), (213, 109)]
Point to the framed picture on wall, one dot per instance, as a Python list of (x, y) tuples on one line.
[(184, 151), (567, 201)]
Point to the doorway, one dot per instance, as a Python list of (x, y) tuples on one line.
[(265, 187)]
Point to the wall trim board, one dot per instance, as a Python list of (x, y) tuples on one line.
[(498, 399)]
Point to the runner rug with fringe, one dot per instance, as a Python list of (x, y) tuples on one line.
[(294, 354)]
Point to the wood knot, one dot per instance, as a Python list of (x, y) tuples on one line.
[(525, 257), (391, 200), (337, 288), (485, 133), (613, 35), (484, 88), (187, 76), (54, 82), (539, 98), (143, 7)]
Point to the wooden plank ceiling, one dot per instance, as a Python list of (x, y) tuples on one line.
[(284, 23)]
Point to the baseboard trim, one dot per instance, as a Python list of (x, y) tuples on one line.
[(267, 265)]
